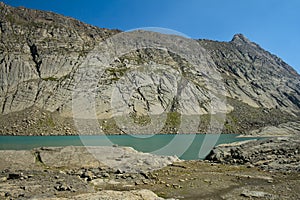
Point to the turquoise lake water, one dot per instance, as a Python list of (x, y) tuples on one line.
[(186, 147)]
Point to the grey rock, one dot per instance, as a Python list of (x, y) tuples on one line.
[(63, 187), (72, 157), (16, 159), (106, 175), (14, 176), (42, 57), (256, 194), (275, 154), (111, 195)]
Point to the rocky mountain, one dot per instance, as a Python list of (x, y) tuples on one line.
[(46, 58)]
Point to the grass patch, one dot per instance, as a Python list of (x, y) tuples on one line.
[(50, 79)]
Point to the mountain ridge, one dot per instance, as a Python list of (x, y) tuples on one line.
[(41, 56)]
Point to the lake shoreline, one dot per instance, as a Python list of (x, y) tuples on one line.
[(267, 168), (191, 144), (73, 173)]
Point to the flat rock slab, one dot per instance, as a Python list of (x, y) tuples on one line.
[(16, 159), (70, 157), (125, 159), (114, 195)]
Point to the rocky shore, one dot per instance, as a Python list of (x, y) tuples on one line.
[(272, 154), (279, 150), (123, 173), (77, 173)]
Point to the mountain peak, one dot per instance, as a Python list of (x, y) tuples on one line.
[(240, 39)]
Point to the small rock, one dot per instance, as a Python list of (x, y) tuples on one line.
[(13, 176), (97, 181), (63, 187), (88, 175), (30, 176), (3, 179), (145, 175), (139, 182), (176, 186), (133, 176), (106, 175), (119, 171), (255, 194)]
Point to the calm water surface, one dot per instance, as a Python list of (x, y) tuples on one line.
[(143, 143)]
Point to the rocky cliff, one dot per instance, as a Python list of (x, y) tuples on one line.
[(42, 66)]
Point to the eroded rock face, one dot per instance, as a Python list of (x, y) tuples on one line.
[(43, 64), (285, 129), (275, 154)]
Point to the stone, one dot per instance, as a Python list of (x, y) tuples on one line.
[(98, 182), (106, 175), (63, 187), (67, 156), (3, 179), (14, 176), (176, 186), (256, 194), (267, 154), (109, 195)]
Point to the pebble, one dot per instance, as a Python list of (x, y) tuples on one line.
[(106, 175), (139, 182), (176, 186), (3, 179), (63, 187), (14, 176)]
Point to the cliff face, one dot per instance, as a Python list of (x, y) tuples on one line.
[(41, 57)]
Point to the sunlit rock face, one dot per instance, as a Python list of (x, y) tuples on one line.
[(48, 61)]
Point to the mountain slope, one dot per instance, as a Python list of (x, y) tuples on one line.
[(41, 67)]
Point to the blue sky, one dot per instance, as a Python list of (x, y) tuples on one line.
[(273, 24)]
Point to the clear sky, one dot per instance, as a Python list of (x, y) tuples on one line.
[(273, 24)]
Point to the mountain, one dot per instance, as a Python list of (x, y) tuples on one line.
[(43, 63)]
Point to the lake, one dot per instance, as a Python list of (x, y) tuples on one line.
[(187, 147)]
